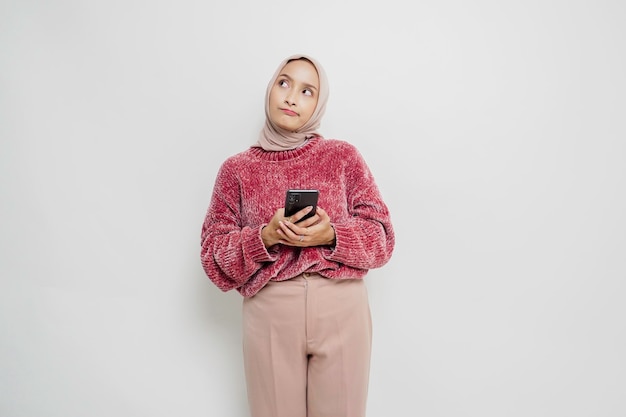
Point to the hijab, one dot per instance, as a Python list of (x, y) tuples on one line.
[(274, 138)]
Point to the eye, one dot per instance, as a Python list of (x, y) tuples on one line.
[(307, 92), (282, 83)]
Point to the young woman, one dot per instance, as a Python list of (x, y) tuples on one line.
[(306, 318)]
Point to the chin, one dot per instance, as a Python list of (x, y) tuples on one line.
[(290, 128)]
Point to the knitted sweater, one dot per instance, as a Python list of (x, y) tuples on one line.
[(250, 187)]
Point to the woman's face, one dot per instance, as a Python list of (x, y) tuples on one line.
[(294, 95)]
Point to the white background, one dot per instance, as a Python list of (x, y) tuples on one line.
[(496, 132)]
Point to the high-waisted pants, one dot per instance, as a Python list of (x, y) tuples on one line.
[(307, 344)]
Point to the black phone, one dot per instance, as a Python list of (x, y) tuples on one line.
[(296, 200)]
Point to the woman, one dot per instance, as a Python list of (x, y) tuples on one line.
[(306, 318)]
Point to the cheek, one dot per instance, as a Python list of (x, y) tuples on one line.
[(311, 108), (274, 96)]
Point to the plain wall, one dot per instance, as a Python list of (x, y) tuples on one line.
[(495, 130)]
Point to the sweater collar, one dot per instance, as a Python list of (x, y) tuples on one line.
[(288, 154)]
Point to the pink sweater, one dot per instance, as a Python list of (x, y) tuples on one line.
[(250, 187)]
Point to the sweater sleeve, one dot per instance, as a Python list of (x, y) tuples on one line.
[(366, 239), (230, 254)]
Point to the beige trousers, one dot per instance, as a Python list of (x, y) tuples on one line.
[(307, 344)]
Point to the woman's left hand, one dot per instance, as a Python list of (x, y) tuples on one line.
[(314, 231)]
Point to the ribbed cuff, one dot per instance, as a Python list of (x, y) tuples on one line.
[(254, 248), (342, 251)]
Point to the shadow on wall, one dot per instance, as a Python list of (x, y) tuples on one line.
[(217, 321)]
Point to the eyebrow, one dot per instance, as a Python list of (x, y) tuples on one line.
[(291, 79)]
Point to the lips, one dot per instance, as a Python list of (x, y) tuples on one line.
[(289, 112)]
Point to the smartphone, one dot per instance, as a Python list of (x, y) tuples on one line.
[(296, 200)]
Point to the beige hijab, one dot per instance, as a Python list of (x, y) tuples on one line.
[(274, 138)]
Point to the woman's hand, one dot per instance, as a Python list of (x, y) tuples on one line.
[(314, 231)]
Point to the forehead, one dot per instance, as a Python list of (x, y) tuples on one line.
[(302, 71)]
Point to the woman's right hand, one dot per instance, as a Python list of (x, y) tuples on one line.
[(270, 233)]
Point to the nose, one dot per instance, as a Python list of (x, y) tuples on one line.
[(290, 98)]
